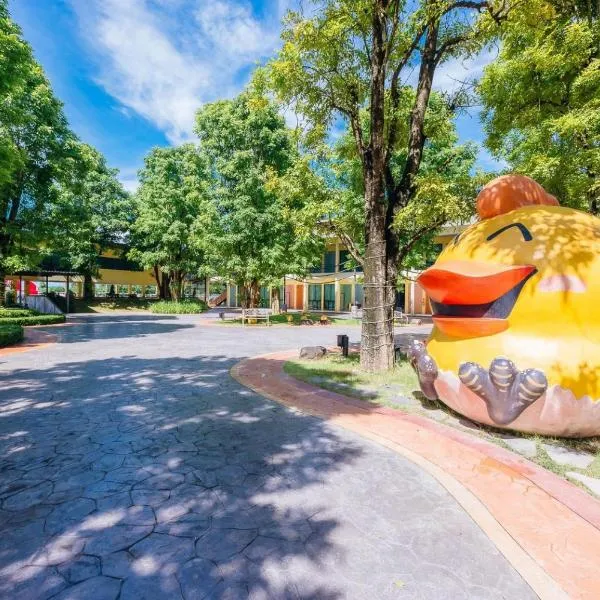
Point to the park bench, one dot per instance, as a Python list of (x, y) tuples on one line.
[(258, 314), (400, 318)]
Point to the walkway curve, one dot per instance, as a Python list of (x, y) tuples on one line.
[(132, 465), (546, 527)]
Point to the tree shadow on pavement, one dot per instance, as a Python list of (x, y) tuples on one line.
[(137, 478)]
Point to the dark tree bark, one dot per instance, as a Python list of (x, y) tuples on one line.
[(88, 286), (385, 194)]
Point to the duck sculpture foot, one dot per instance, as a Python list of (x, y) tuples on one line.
[(506, 391), (424, 367)]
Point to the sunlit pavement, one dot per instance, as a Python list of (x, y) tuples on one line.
[(133, 466)]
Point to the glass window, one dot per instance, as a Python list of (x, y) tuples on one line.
[(329, 262)]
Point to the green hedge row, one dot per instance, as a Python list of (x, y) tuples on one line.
[(35, 320), (11, 313), (10, 334), (183, 307)]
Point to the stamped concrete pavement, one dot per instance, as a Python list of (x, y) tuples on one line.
[(133, 466)]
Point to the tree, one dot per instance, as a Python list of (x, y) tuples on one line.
[(352, 56), (253, 239), (92, 212), (171, 213), (331, 182), (35, 142), (540, 98)]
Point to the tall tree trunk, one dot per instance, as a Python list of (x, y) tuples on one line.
[(2, 287), (377, 338), (88, 286), (254, 290), (275, 301), (176, 285)]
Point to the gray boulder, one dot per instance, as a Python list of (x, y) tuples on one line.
[(312, 352)]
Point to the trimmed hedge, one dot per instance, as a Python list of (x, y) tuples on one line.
[(11, 313), (34, 320), (183, 307), (10, 334)]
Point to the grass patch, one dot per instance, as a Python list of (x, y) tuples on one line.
[(344, 375), (10, 334), (183, 307), (282, 319), (106, 305)]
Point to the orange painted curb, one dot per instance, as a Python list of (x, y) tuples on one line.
[(555, 523), (33, 340)]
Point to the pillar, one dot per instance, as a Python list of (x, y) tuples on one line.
[(338, 301), (305, 297)]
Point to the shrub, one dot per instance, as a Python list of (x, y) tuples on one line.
[(33, 320), (11, 313), (10, 298), (183, 307), (10, 334)]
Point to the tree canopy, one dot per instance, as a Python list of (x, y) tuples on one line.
[(253, 237), (541, 98), (172, 216), (349, 57)]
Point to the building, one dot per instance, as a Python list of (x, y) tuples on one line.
[(333, 285), (117, 274)]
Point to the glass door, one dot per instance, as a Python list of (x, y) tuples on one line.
[(345, 296), (314, 296), (329, 303)]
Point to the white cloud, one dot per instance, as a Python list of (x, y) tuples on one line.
[(128, 178), (452, 74), (164, 59)]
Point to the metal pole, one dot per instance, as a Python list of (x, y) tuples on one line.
[(67, 294), (46, 284)]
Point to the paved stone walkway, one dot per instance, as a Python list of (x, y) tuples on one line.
[(133, 466)]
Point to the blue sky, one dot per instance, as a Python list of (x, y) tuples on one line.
[(131, 73)]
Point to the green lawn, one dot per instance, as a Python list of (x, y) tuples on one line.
[(399, 389), (344, 375), (106, 305), (282, 319)]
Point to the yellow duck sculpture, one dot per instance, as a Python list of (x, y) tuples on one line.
[(516, 303)]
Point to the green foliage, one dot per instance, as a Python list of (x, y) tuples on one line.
[(172, 214), (183, 307), (252, 237), (33, 320), (542, 98), (8, 313), (92, 211), (10, 334)]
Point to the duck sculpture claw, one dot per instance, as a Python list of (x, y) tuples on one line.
[(506, 391)]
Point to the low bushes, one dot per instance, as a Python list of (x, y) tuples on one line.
[(10, 334), (11, 313), (33, 320), (183, 307)]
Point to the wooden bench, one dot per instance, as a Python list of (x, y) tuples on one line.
[(400, 318), (258, 314)]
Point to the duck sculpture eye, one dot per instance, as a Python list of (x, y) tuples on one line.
[(526, 233)]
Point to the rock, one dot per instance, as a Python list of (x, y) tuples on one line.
[(566, 456), (521, 445), (589, 482), (312, 352)]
